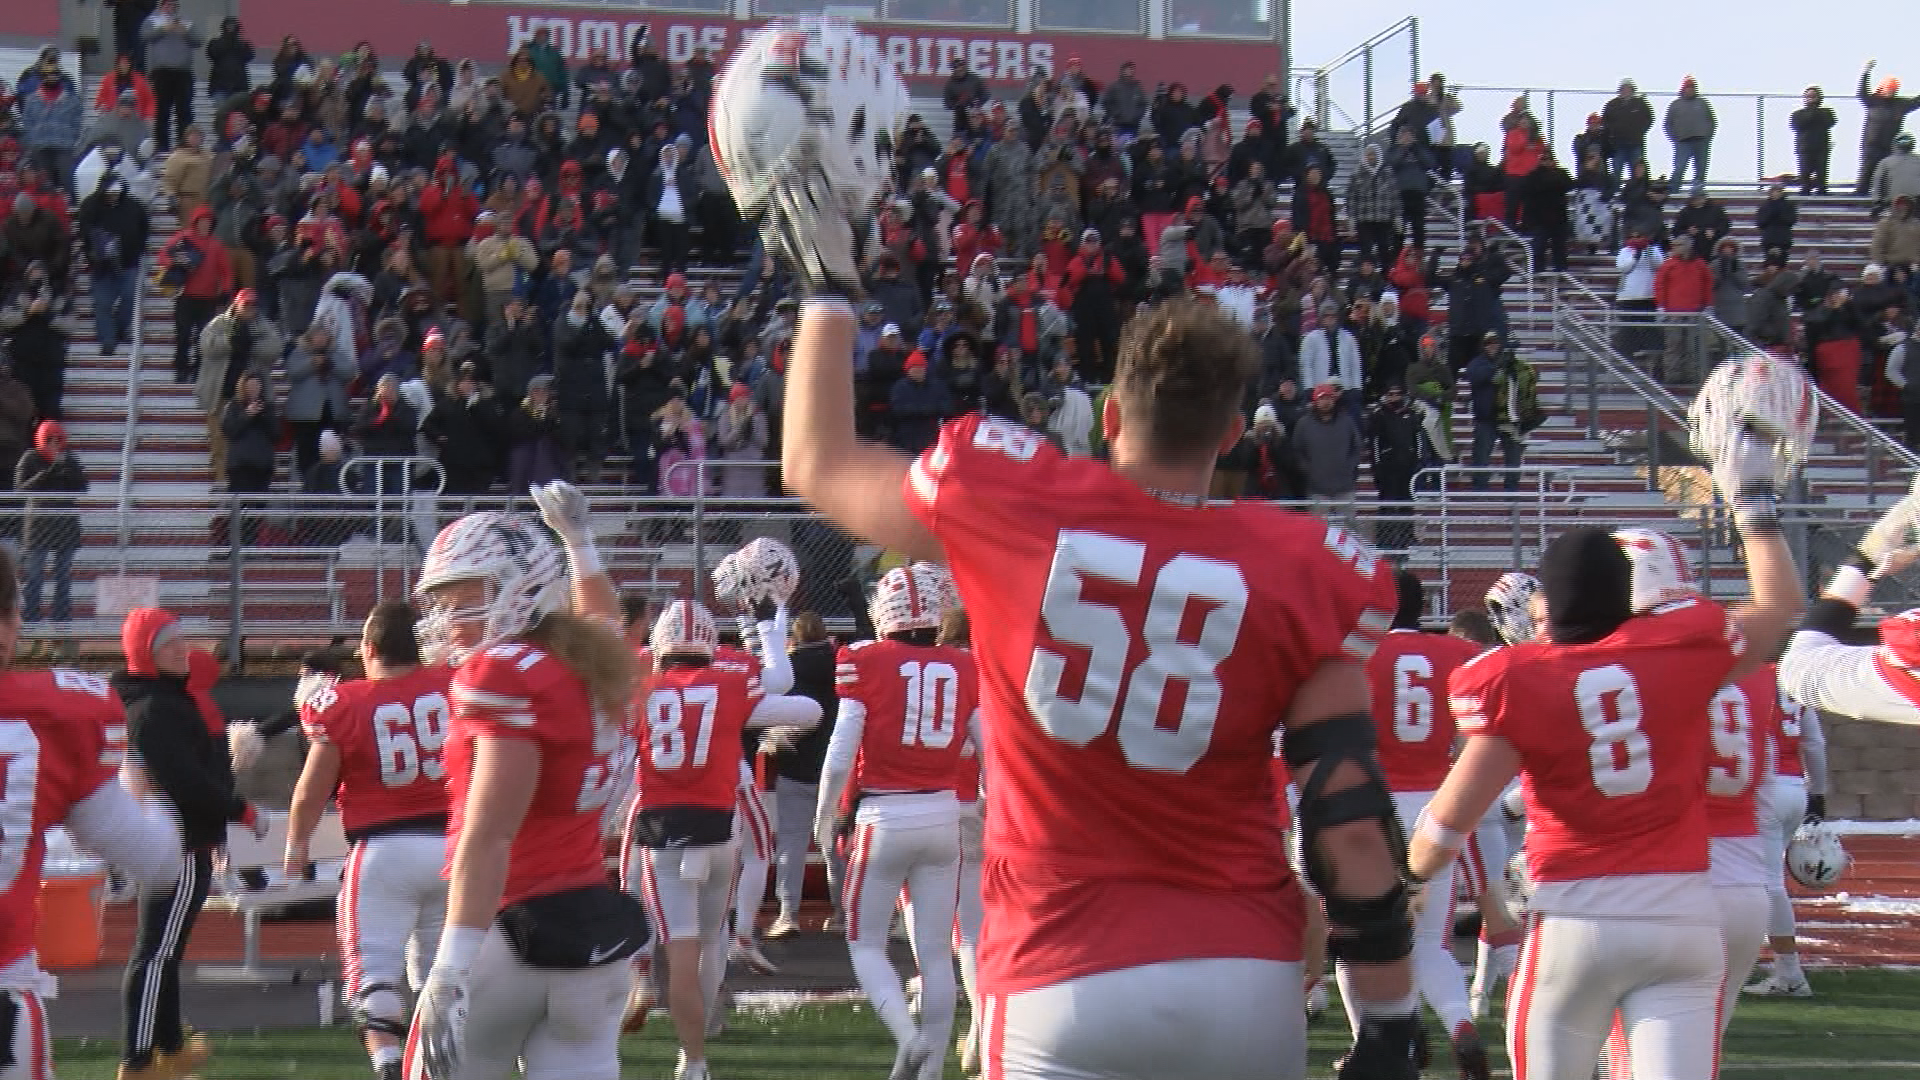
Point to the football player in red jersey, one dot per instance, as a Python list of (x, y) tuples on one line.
[(907, 711), (1415, 730), (530, 973), (698, 709), (957, 631), (1606, 722), (1739, 716), (1793, 794), (376, 744), (62, 742), (1136, 649)]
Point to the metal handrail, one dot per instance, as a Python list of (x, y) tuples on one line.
[(134, 368), (411, 461), (1324, 105)]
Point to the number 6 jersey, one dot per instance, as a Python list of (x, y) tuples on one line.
[(1135, 656), (389, 733), (1614, 741)]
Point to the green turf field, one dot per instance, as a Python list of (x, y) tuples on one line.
[(1863, 1026)]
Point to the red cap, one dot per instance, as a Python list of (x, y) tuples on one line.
[(1325, 391), (740, 392), (676, 280), (1195, 202), (434, 340), (916, 360), (48, 431), (244, 298)]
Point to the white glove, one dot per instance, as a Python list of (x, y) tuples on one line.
[(776, 739), (1895, 529), (806, 226), (1744, 475), (564, 508), (440, 1022)]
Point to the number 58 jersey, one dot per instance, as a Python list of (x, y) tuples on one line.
[(1615, 742), (1135, 656), (389, 733)]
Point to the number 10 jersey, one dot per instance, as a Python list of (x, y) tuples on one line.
[(1135, 656)]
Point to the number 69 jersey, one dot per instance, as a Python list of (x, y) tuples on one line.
[(1615, 743), (389, 733), (1135, 656)]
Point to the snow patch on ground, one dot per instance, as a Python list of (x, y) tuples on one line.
[(785, 1001), (1909, 827)]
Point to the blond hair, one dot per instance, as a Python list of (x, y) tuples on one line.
[(596, 654), (955, 628)]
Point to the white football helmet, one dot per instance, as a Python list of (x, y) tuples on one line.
[(801, 91), (1660, 573), (768, 571), (729, 590), (907, 598), (1509, 606), (946, 593), (524, 572), (1815, 856), (685, 628), (1760, 393)]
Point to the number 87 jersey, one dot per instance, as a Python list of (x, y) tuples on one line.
[(1615, 742)]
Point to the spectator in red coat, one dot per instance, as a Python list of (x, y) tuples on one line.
[(1094, 280), (124, 79), (974, 235), (447, 212), (206, 283), (1409, 276), (1682, 288), (1523, 152)]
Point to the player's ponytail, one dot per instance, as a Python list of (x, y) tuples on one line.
[(593, 651)]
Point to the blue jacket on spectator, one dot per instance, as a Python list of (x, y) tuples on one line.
[(53, 123), (917, 409), (380, 361), (1480, 372)]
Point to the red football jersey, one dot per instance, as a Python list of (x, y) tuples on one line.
[(919, 700), (1413, 722), (1741, 718), (389, 733), (63, 737), (1786, 733), (518, 691), (1613, 739), (696, 719), (1135, 657)]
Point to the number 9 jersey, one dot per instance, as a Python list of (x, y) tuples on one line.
[(1615, 743), (389, 733), (1135, 656)]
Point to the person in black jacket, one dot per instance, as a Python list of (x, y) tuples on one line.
[(1813, 141), (228, 55), (1393, 449), (469, 429), (184, 760), (52, 528), (113, 232), (797, 771)]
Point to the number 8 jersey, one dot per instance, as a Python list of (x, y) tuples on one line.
[(389, 733), (1614, 742), (1135, 656)]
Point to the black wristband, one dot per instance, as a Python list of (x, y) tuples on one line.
[(1859, 561)]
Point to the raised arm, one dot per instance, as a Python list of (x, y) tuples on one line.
[(564, 508)]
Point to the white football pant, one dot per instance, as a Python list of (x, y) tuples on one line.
[(1783, 805), (688, 892), (558, 1025), (1436, 974), (392, 891), (925, 860)]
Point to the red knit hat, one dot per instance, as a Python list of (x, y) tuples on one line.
[(138, 636)]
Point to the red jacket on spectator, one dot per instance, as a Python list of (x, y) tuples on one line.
[(1522, 152), (282, 138), (970, 242), (324, 231), (1410, 278), (349, 203), (955, 181), (447, 209), (108, 95), (1077, 270), (1683, 285), (49, 200), (213, 278)]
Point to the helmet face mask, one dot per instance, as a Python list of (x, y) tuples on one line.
[(489, 577)]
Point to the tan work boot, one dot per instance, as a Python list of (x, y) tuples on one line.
[(194, 1052)]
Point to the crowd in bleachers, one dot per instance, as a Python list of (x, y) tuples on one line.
[(522, 275)]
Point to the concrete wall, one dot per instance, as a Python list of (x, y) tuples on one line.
[(91, 18), (1875, 770)]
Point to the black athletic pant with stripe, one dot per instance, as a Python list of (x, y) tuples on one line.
[(151, 994)]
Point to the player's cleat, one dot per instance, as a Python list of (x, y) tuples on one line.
[(691, 1070), (913, 1054), (390, 1071), (640, 1001), (969, 1050), (783, 926), (194, 1052), (1777, 985), (1470, 1053), (1316, 999), (1486, 983), (745, 951), (833, 925)]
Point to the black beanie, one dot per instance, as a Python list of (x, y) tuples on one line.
[(1589, 585), (1413, 597)]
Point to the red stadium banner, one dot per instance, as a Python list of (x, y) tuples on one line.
[(30, 19), (488, 32)]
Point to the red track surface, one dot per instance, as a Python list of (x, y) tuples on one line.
[(1884, 867)]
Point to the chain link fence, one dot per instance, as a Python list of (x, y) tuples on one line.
[(272, 575)]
